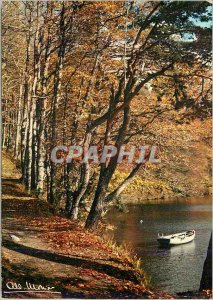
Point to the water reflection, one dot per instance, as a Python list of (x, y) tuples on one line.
[(185, 249), (175, 269)]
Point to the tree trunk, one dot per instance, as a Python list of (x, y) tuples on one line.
[(30, 145), (41, 127), (25, 109), (206, 279), (41, 164), (4, 129), (3, 135), (70, 195), (82, 190), (34, 155), (18, 127), (98, 204), (106, 173), (55, 101)]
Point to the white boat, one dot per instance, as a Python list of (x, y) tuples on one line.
[(176, 238)]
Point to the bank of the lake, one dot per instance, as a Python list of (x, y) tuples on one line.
[(153, 197), (53, 251), (57, 252)]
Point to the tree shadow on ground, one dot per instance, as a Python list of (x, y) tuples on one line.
[(69, 287), (28, 207), (22, 274), (14, 180), (12, 190), (13, 187), (73, 261)]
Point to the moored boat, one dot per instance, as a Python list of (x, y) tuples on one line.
[(176, 238)]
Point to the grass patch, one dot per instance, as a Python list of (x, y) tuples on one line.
[(124, 254)]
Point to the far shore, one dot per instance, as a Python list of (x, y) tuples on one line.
[(138, 199)]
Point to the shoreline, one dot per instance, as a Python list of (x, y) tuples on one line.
[(128, 200), (58, 252)]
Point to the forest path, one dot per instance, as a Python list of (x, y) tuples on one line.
[(56, 253)]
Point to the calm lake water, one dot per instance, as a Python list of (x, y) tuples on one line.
[(179, 268)]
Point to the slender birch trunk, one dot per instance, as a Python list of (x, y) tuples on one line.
[(41, 138), (55, 101), (30, 144), (25, 109), (18, 126)]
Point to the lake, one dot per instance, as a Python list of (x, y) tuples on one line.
[(178, 268)]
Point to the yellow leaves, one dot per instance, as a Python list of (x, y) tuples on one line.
[(138, 183)]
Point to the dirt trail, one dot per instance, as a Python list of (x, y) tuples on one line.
[(56, 253)]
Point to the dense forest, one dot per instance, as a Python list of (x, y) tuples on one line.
[(81, 73)]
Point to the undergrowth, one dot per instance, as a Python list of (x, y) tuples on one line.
[(124, 253)]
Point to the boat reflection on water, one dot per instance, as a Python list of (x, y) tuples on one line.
[(183, 249), (188, 248)]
